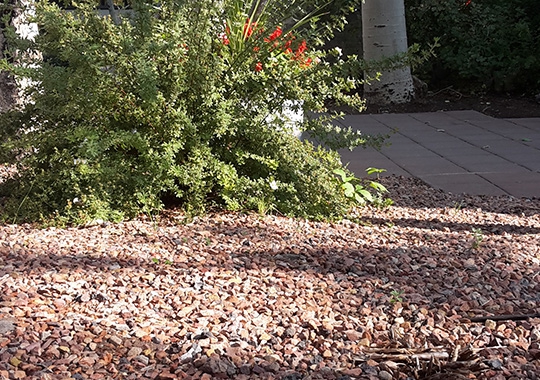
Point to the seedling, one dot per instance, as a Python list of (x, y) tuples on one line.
[(458, 206), (478, 237), (361, 190), (396, 296), (155, 260)]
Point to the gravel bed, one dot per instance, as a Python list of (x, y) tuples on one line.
[(438, 286)]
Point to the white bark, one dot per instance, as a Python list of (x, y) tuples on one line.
[(385, 35)]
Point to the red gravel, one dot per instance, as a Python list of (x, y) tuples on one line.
[(393, 295)]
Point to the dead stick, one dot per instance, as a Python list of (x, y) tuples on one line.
[(507, 317), (403, 350), (422, 356), (479, 349)]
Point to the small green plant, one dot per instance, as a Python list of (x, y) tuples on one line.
[(396, 296), (478, 238), (263, 207), (156, 261), (363, 191), (458, 206)]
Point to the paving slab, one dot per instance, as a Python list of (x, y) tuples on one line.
[(457, 183), (531, 123), (456, 151)]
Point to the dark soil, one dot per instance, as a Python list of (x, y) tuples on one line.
[(495, 105)]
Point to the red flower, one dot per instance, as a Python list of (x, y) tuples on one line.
[(306, 63), (301, 49), (275, 35), (468, 3), (287, 47), (224, 39), (258, 67), (249, 27)]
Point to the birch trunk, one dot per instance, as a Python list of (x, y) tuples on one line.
[(385, 35)]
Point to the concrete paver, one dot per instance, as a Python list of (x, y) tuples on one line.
[(456, 151)]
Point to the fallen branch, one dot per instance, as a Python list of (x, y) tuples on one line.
[(440, 355), (506, 317), (402, 350), (480, 349), (403, 354)]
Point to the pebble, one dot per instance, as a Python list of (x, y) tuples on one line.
[(116, 340), (143, 359), (6, 326)]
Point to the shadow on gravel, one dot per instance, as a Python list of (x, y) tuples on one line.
[(495, 229), (428, 269)]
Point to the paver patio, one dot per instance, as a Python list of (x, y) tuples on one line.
[(456, 151)]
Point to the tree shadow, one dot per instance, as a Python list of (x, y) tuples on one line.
[(436, 224)]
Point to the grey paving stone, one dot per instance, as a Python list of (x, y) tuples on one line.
[(531, 123), (463, 183), (457, 151)]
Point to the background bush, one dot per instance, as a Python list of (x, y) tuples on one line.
[(159, 107), (485, 44)]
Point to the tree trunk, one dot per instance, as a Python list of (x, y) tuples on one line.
[(384, 34)]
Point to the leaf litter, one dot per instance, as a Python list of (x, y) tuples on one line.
[(437, 286)]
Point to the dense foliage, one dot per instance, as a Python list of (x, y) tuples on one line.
[(485, 44), (179, 100)]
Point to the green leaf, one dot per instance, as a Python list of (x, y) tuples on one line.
[(349, 189), (343, 175), (359, 199), (366, 194), (377, 186), (371, 171)]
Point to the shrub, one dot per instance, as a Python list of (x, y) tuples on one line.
[(492, 44), (174, 102)]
